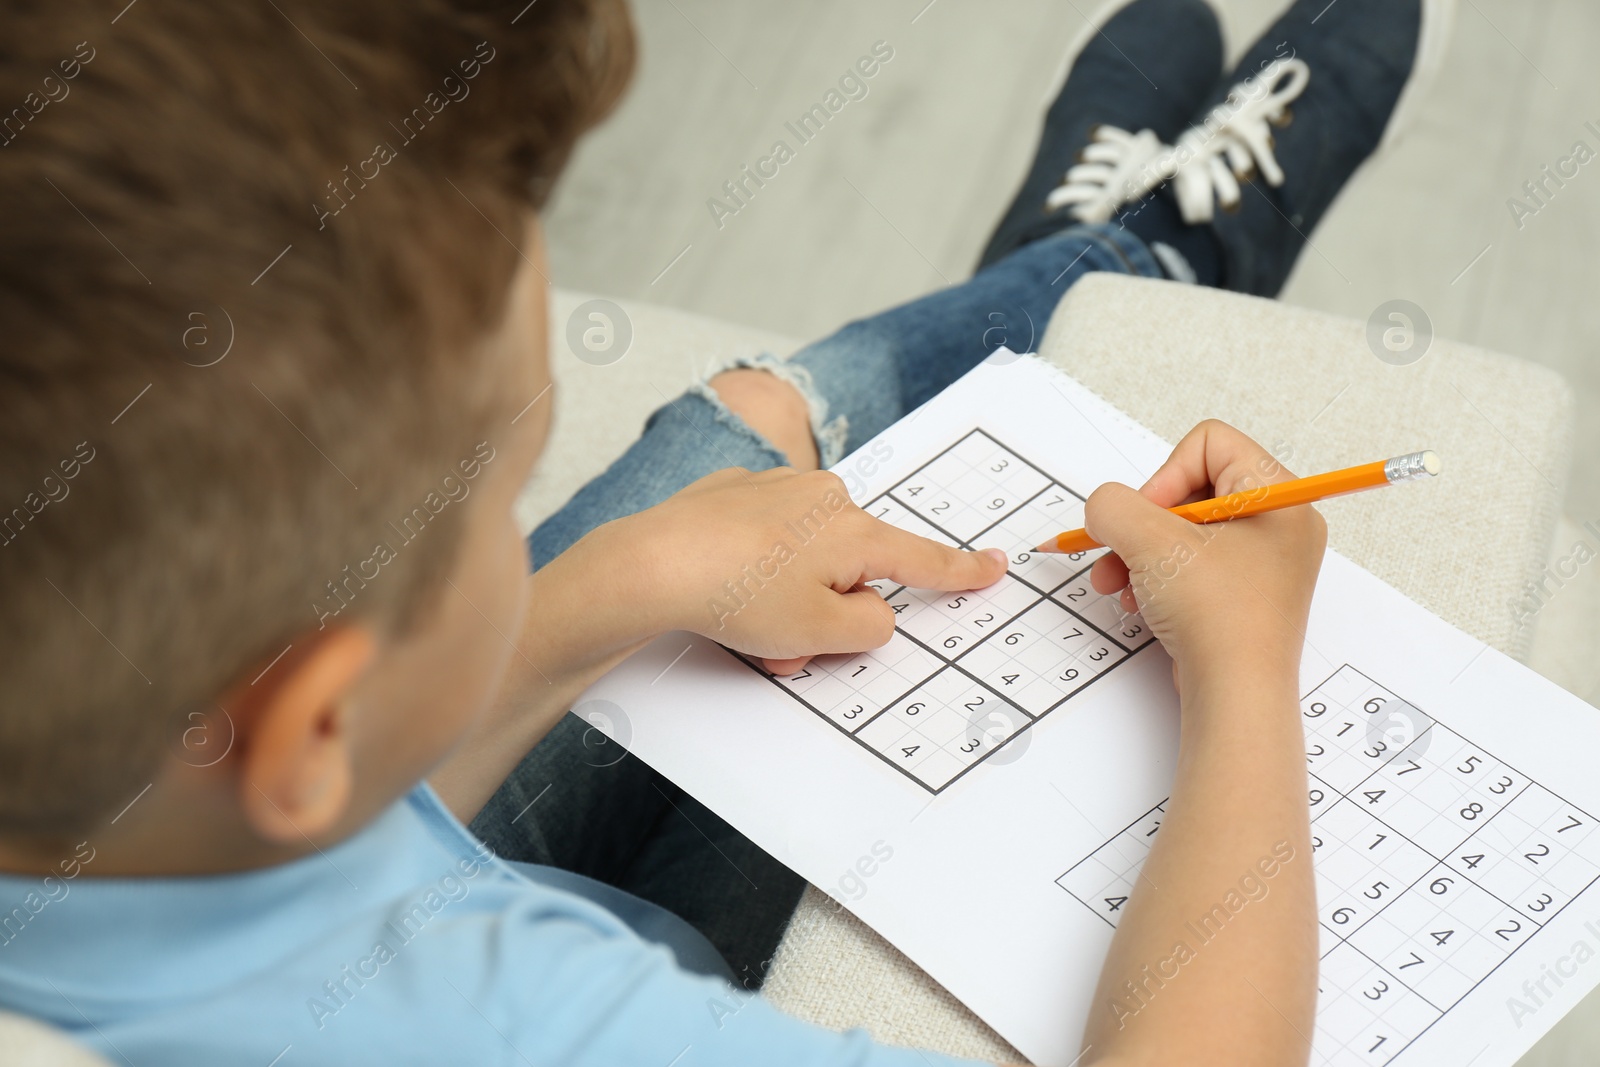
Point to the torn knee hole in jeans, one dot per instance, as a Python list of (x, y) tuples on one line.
[(829, 435)]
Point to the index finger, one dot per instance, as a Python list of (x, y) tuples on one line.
[(1213, 459), (911, 560)]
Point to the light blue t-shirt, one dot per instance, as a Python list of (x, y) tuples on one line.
[(407, 944)]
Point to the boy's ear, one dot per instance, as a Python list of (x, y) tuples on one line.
[(295, 773)]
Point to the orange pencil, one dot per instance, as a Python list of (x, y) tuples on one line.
[(1279, 496)]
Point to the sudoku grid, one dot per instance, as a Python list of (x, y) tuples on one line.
[(1435, 861), (967, 673)]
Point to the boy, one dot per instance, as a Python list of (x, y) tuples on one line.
[(263, 579)]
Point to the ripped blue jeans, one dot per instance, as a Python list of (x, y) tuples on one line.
[(610, 817), (858, 381)]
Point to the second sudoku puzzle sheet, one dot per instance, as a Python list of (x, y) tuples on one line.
[(1435, 862)]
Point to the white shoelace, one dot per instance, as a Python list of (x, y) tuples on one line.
[(1232, 144)]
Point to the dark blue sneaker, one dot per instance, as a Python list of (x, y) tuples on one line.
[(1362, 57), (1148, 68)]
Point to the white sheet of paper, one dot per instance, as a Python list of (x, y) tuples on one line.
[(982, 790)]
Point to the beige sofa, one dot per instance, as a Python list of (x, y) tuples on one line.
[(1304, 383)]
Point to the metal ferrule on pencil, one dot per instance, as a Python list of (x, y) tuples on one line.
[(1415, 465)]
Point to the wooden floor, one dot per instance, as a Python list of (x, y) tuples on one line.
[(897, 193)]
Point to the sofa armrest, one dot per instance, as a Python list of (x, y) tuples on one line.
[(1307, 386)]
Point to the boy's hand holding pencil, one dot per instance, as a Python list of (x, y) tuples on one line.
[(1211, 593)]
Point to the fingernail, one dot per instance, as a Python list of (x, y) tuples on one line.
[(997, 555)]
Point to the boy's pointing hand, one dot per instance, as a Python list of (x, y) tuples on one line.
[(775, 563)]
